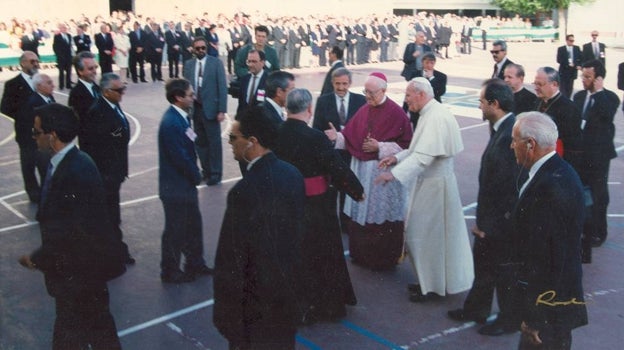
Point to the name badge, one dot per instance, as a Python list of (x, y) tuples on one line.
[(191, 134), (260, 95)]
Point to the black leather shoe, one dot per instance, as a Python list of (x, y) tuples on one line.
[(176, 277), (495, 329), (596, 242), (130, 260), (202, 270), (143, 81), (213, 180), (461, 315)]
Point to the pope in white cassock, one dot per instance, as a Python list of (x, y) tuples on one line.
[(436, 234)]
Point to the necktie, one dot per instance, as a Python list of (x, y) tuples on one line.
[(495, 73), (342, 113), (51, 99), (46, 183), (252, 90), (200, 73), (588, 103), (95, 90), (596, 51), (138, 33), (122, 116)]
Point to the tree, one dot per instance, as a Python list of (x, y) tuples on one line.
[(529, 7)]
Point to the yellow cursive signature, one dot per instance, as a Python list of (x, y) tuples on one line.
[(547, 298)]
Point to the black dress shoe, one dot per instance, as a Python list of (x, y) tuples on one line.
[(461, 315), (143, 81), (596, 241), (417, 296), (213, 180), (202, 270), (495, 329), (176, 277)]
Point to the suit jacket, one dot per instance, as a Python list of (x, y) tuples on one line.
[(599, 129), (244, 83), (26, 119), (186, 41), (154, 40), (178, 173), (31, 44), (497, 188), (588, 53), (258, 259), (620, 80), (173, 38), (409, 69), (524, 101), (563, 58), (14, 97), (82, 43), (136, 42), (78, 246), (326, 110), (240, 63), (104, 42), (80, 100), (327, 83), (105, 138), (568, 119), (62, 49), (438, 83), (501, 72), (547, 224), (213, 92)]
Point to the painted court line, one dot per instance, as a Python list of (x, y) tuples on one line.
[(371, 335)]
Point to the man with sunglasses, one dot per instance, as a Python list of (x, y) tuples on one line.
[(207, 76), (499, 54), (15, 96), (106, 133)]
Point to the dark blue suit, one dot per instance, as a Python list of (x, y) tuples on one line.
[(137, 41), (178, 175), (244, 84), (63, 51), (258, 261), (409, 69), (77, 249), (326, 110), (568, 73), (547, 223)]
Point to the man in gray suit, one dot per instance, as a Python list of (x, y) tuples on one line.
[(207, 76)]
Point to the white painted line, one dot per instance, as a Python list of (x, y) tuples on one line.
[(15, 227), (470, 206), (14, 211), (139, 200), (191, 339), (10, 161), (15, 194), (165, 318), (143, 172)]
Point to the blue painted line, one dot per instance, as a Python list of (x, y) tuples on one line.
[(307, 343), (372, 336)]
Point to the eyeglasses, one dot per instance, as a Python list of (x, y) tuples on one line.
[(370, 93), (36, 132), (120, 90), (198, 48), (594, 35), (495, 52)]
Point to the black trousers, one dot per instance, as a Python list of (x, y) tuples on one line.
[(174, 65), (84, 321), (133, 60), (208, 144), (182, 234), (64, 75), (112, 189), (156, 67), (31, 159), (596, 176), (566, 86)]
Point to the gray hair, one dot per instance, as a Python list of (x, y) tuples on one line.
[(421, 84), (551, 74), (38, 79), (538, 126), (78, 60), (341, 72), (298, 100), (500, 43), (107, 79)]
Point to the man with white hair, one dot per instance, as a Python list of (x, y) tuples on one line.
[(380, 128), (436, 235)]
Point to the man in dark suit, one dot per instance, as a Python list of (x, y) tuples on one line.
[(154, 45), (594, 49), (138, 37), (81, 39), (412, 57), (174, 49), (253, 84), (30, 40), (278, 85), (207, 75), (86, 91), (14, 98), (105, 136), (496, 199), (335, 61), (186, 42), (63, 50), (524, 100), (620, 79), (436, 78), (598, 106), (499, 54), (563, 112), (258, 265), (328, 106), (547, 223), (78, 254), (105, 45), (569, 59), (178, 178)]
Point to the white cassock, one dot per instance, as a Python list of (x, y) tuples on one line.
[(435, 234)]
